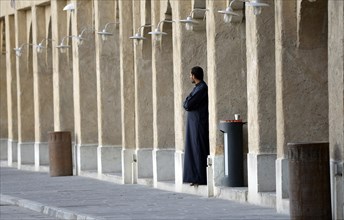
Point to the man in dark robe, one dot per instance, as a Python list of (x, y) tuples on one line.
[(197, 131)]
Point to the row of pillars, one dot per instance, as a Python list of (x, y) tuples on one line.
[(268, 68)]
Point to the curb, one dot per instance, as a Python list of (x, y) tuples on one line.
[(52, 211)]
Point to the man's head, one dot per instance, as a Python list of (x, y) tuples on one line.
[(196, 74)]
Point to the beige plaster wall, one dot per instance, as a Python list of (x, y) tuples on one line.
[(162, 78), (62, 71), (189, 51), (226, 49), (84, 75), (127, 75), (24, 77), (143, 78), (42, 75), (336, 78), (3, 84), (301, 83), (7, 9), (260, 39), (11, 79), (108, 76)]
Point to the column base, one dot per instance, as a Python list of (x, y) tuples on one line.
[(144, 163), (337, 188), (261, 178), (109, 159), (179, 164), (86, 157), (163, 165), (12, 154), (219, 170), (26, 153), (127, 165), (3, 149), (41, 154), (282, 185)]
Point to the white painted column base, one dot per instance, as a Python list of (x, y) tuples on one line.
[(163, 165), (144, 163), (337, 189), (86, 157), (282, 185), (109, 159), (3, 149), (26, 153), (179, 164), (210, 176), (12, 154), (127, 165), (41, 154), (261, 178), (219, 170)]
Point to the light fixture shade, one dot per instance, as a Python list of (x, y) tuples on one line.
[(189, 22), (228, 14), (105, 34), (69, 7), (39, 48), (257, 6), (157, 34), (18, 51), (137, 36), (63, 48), (80, 40)]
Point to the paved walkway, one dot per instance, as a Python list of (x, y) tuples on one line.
[(12, 212), (78, 197)]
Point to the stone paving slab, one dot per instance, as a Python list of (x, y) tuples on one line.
[(88, 198)]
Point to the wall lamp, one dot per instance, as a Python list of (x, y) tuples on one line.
[(189, 21), (104, 33), (70, 7), (19, 51), (138, 37), (63, 47), (228, 13), (257, 6), (80, 39), (157, 33), (40, 47)]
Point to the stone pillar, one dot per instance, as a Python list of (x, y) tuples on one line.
[(108, 90), (85, 87), (3, 96), (301, 82), (143, 91), (189, 50), (43, 84), (226, 81), (11, 78), (261, 104), (127, 88), (163, 109), (336, 104), (25, 97), (62, 71)]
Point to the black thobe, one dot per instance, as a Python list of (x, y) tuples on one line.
[(197, 135)]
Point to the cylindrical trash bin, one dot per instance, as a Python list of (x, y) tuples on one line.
[(309, 181), (233, 147), (60, 153)]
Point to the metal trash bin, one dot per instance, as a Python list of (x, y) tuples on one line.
[(60, 153), (309, 181), (233, 146)]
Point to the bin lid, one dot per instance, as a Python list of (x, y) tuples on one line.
[(225, 124)]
